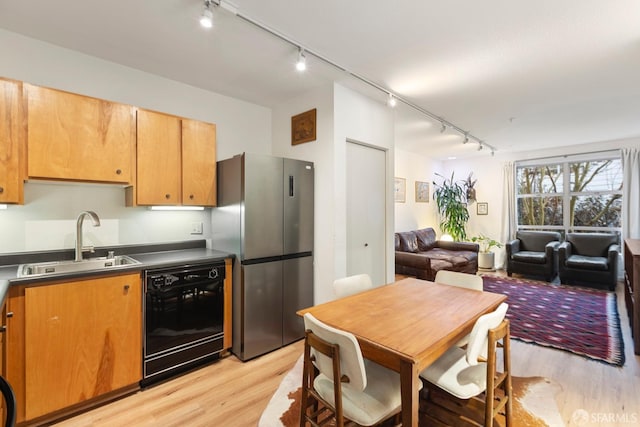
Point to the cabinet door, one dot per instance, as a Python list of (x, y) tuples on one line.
[(82, 339), (159, 159), (11, 142), (198, 163), (74, 137)]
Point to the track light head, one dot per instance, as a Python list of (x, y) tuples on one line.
[(480, 146), (391, 102), (206, 19), (443, 128), (301, 64), (466, 138)]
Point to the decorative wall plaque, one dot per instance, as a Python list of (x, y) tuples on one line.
[(303, 127)]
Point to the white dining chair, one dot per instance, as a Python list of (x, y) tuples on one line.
[(462, 280), (352, 285), (468, 373), (365, 393)]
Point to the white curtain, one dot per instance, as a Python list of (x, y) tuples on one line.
[(508, 208), (631, 193)]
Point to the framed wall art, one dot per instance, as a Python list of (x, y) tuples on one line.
[(399, 190), (422, 192), (482, 208), (303, 127)]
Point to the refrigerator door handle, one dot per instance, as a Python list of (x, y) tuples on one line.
[(291, 182)]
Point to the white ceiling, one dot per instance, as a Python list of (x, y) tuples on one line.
[(519, 75)]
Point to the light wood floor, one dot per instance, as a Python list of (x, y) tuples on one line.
[(231, 393)]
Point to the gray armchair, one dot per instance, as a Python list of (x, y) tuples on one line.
[(589, 257), (533, 253)]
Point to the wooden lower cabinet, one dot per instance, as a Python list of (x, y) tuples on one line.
[(82, 340), (632, 288)]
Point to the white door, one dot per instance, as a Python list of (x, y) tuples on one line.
[(366, 189)]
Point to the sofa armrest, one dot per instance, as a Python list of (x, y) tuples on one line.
[(550, 248), (458, 246), (512, 247), (564, 252), (410, 259), (612, 256)]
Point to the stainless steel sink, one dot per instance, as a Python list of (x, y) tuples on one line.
[(89, 264)]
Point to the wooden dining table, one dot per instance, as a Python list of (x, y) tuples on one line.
[(407, 325)]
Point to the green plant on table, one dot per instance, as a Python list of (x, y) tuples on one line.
[(486, 243)]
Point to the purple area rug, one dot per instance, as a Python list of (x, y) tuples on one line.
[(582, 321)]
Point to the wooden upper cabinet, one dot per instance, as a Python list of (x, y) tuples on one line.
[(74, 137), (176, 161), (158, 159), (11, 142), (198, 163)]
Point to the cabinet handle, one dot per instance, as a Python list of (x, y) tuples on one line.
[(118, 171), (9, 313), (1, 190), (167, 196), (126, 287), (3, 328), (191, 196)]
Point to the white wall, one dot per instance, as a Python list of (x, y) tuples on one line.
[(488, 171), (411, 215), (342, 114), (320, 152), (47, 217), (362, 119)]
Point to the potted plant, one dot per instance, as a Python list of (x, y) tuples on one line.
[(451, 202), (486, 258)]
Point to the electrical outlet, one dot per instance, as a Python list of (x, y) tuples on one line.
[(196, 228)]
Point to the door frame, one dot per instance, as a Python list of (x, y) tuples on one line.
[(388, 213)]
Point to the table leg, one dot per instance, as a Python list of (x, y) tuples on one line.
[(409, 393)]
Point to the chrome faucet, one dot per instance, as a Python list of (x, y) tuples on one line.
[(79, 247)]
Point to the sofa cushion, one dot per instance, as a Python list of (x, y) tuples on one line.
[(408, 241), (455, 258), (426, 239), (592, 244), (530, 257), (396, 242), (588, 262), (440, 264)]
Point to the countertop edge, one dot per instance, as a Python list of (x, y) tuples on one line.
[(150, 260)]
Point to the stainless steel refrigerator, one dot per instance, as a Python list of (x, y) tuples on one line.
[(265, 217)]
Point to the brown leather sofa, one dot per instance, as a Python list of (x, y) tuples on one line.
[(419, 254)]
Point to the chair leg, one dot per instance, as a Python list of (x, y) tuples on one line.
[(506, 356), (503, 381)]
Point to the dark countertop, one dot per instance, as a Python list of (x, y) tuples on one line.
[(150, 257)]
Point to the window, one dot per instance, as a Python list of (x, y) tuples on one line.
[(579, 194)]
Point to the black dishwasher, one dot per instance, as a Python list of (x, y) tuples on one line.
[(183, 318)]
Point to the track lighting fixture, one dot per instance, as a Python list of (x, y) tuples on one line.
[(391, 102), (206, 19), (301, 65)]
